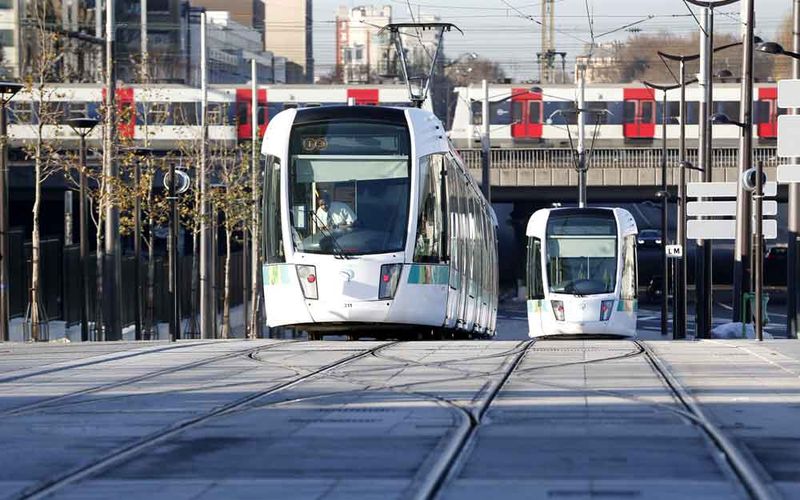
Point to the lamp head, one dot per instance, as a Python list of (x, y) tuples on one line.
[(535, 89), (770, 48), (724, 73), (721, 119), (83, 125), (9, 89)]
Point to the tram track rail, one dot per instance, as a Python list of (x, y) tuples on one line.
[(120, 454), (742, 468), (91, 361), (57, 401)]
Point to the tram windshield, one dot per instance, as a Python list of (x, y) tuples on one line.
[(582, 252), (349, 187)]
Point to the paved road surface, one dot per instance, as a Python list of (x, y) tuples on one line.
[(501, 419)]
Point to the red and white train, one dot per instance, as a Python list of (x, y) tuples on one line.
[(519, 117), (628, 114)]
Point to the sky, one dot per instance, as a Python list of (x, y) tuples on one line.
[(497, 30)]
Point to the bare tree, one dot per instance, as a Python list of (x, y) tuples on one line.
[(233, 200), (43, 150)]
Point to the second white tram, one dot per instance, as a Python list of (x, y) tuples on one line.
[(582, 272), (373, 227)]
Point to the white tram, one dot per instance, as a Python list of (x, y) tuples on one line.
[(373, 227), (581, 272)]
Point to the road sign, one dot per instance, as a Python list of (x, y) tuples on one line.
[(789, 93), (724, 229), (788, 133), (674, 251), (723, 207), (788, 174), (723, 189)]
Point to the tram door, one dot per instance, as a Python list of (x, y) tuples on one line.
[(535, 271), (639, 114)]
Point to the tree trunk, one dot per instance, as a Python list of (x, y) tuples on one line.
[(36, 244), (98, 253), (226, 304)]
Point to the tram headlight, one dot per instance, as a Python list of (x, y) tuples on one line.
[(558, 309), (308, 280), (390, 277), (606, 307)]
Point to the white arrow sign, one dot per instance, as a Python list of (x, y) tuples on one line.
[(788, 132), (789, 93), (723, 189)]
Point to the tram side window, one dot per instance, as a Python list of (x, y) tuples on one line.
[(430, 225), (273, 235), (628, 289), (535, 283)]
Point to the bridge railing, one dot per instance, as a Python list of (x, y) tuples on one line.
[(516, 158)]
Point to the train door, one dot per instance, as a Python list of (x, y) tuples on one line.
[(639, 114), (244, 109), (768, 107), (126, 112), (363, 97), (526, 114), (473, 263)]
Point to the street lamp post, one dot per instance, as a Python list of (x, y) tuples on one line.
[(679, 318), (7, 91), (83, 127), (664, 195)]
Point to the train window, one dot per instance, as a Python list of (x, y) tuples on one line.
[(516, 112), (477, 112), (217, 113), (349, 186), (628, 289), (646, 111), (629, 112), (263, 113), (535, 281), (290, 105), (185, 113), (78, 110), (243, 112), (452, 205), (157, 113), (22, 112), (271, 203), (430, 226), (534, 112), (597, 113), (567, 114), (581, 252), (728, 108)]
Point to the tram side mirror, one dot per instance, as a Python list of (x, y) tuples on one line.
[(749, 179)]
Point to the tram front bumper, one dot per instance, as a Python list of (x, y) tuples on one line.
[(372, 311), (584, 328)]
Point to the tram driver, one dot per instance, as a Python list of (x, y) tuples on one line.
[(333, 214)]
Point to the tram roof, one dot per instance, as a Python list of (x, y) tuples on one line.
[(625, 222)]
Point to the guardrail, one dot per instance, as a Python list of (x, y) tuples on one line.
[(525, 158)]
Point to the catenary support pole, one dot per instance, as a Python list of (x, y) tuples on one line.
[(4, 276), (706, 105), (758, 251), (83, 213), (680, 285), (113, 262), (486, 145), (174, 281), (207, 301), (664, 217), (793, 246), (255, 229), (581, 137), (741, 265)]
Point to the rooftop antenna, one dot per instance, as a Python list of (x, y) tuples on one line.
[(419, 94)]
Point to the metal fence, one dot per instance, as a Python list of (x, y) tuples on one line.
[(511, 158), (60, 289)]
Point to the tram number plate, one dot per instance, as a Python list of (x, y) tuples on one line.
[(674, 251)]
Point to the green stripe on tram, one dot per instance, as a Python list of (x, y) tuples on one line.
[(427, 274)]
